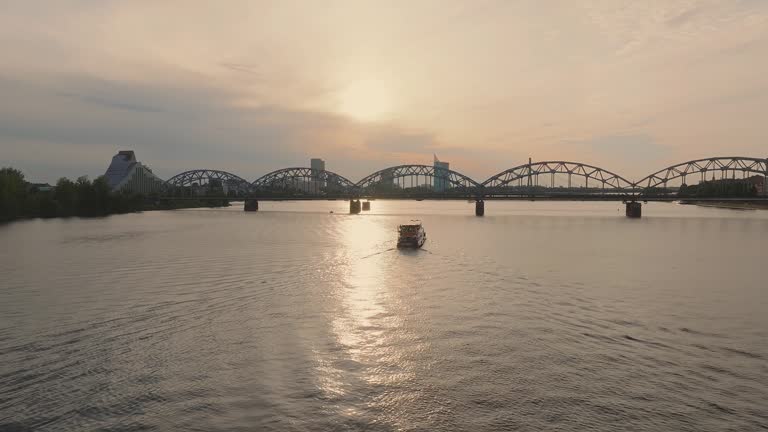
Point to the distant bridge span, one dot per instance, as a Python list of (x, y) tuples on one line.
[(206, 176), (532, 171), (428, 182), (417, 180), (302, 180), (722, 165)]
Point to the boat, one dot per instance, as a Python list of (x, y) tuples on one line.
[(411, 235)]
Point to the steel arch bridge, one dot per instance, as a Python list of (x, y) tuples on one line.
[(527, 177), (407, 180), (534, 180), (304, 181), (723, 165), (201, 177)]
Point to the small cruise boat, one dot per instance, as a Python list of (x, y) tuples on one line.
[(411, 235)]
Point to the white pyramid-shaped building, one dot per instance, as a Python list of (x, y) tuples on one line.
[(126, 174)]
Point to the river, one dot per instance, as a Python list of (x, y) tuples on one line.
[(538, 316)]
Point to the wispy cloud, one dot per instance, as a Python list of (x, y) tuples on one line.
[(246, 87)]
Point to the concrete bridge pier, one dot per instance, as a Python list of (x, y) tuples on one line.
[(479, 207), (366, 205), (634, 209), (354, 206), (251, 205)]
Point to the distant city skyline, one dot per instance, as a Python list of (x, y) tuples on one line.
[(713, 168), (250, 86), (439, 182)]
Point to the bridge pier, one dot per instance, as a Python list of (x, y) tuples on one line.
[(354, 206), (251, 205), (366, 205), (479, 207), (634, 209)]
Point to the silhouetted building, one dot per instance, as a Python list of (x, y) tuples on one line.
[(39, 187), (316, 164), (388, 180), (126, 174), (440, 182), (316, 184), (760, 184)]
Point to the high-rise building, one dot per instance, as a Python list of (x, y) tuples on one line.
[(317, 182), (440, 182), (317, 164), (126, 174)]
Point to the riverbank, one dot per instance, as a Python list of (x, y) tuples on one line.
[(136, 206), (184, 204), (20, 199), (731, 205)]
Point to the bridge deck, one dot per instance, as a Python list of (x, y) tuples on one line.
[(607, 197)]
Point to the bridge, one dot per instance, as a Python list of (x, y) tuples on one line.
[(734, 178)]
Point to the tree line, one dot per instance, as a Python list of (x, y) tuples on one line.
[(82, 197), (736, 188)]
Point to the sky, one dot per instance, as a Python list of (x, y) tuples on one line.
[(253, 86)]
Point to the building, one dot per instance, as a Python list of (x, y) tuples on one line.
[(760, 184), (317, 164), (126, 174), (316, 183), (39, 187), (440, 181)]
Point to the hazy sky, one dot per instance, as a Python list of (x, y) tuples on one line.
[(251, 86)]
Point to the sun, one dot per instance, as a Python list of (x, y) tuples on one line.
[(367, 100)]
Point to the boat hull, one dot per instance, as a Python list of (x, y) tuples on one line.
[(411, 236), (412, 243)]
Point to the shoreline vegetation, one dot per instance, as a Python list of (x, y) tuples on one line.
[(80, 198), (731, 205)]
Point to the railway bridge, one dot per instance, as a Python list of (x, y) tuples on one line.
[(739, 179)]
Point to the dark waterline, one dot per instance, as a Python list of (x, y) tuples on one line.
[(539, 316)]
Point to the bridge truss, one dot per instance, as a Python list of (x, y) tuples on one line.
[(417, 181), (575, 179), (527, 178), (715, 167), (213, 180), (304, 181)]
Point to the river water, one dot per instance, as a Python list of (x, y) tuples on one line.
[(539, 316)]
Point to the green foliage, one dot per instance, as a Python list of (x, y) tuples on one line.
[(12, 193), (718, 188), (65, 197), (82, 197), (79, 198)]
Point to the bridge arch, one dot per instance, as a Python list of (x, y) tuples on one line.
[(304, 181), (231, 183), (418, 180), (724, 165), (531, 171)]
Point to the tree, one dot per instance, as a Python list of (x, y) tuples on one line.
[(13, 191), (66, 197), (101, 195)]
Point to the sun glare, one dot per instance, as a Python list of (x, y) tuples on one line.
[(368, 100)]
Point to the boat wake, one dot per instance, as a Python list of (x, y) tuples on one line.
[(394, 249), (378, 253)]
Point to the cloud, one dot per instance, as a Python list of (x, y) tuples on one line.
[(394, 141), (250, 87), (633, 147), (112, 104), (174, 128), (631, 154)]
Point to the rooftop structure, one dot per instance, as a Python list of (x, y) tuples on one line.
[(317, 164), (441, 172), (126, 174), (760, 183)]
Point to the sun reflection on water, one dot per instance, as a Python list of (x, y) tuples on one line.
[(363, 289), (368, 318)]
